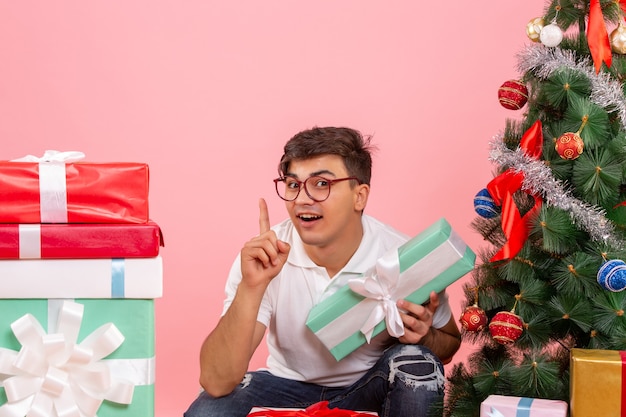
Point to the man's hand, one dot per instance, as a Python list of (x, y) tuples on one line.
[(263, 256), (418, 319)]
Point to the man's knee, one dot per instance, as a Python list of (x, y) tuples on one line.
[(415, 367)]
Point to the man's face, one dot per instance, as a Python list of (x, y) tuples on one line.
[(324, 223)]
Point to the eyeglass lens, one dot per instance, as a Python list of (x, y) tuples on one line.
[(317, 188)]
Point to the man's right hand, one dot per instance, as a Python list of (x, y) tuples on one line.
[(263, 256)]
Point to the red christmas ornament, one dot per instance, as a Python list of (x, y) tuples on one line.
[(473, 319), (569, 145), (513, 95), (506, 327)]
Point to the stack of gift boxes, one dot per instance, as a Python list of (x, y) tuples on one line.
[(79, 271)]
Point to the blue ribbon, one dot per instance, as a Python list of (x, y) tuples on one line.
[(117, 278), (523, 407)]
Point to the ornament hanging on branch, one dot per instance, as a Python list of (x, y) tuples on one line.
[(484, 204), (533, 28), (551, 35), (618, 39), (612, 275), (506, 326), (570, 145), (474, 318), (513, 94)]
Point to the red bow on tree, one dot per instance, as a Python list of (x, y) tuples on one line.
[(598, 36), (319, 409), (514, 225)]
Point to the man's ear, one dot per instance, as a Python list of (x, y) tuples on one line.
[(362, 193)]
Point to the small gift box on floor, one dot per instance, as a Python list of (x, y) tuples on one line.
[(597, 385), (61, 356), (316, 410), (507, 406), (354, 314)]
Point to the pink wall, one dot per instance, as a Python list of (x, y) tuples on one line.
[(207, 92)]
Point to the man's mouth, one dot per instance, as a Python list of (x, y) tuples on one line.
[(309, 217)]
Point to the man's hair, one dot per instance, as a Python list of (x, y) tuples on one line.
[(349, 144)]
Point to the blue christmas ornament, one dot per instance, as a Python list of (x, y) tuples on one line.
[(612, 275), (484, 204)]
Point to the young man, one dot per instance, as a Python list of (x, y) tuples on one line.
[(285, 270)]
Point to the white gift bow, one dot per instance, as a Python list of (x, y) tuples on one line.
[(379, 284), (53, 156), (52, 183), (52, 375)]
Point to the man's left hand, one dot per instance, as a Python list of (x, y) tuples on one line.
[(417, 319)]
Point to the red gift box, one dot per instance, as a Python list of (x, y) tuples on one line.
[(79, 240), (78, 192), (319, 409)]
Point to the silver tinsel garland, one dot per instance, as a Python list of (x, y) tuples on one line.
[(543, 62)]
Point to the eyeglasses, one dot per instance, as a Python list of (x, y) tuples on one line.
[(316, 187)]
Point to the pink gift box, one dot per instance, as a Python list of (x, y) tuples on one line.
[(508, 406)]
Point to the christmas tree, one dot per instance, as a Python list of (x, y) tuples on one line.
[(552, 275)]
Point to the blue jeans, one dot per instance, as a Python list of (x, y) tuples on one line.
[(405, 381)]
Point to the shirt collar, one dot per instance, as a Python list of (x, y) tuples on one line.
[(363, 259)]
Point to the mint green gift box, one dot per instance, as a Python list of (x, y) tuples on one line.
[(134, 318), (430, 261)]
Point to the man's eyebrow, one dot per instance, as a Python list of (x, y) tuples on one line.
[(312, 174)]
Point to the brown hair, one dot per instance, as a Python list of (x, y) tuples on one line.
[(349, 144)]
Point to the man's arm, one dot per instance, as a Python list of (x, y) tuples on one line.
[(226, 352), (418, 326), (444, 342)]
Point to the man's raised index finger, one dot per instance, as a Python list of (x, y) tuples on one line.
[(264, 216)]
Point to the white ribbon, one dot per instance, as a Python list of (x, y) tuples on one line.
[(380, 284), (53, 156), (29, 236), (54, 376), (52, 183), (386, 284)]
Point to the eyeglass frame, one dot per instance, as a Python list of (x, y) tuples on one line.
[(306, 190)]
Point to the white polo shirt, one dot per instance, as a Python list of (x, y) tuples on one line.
[(294, 350)]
